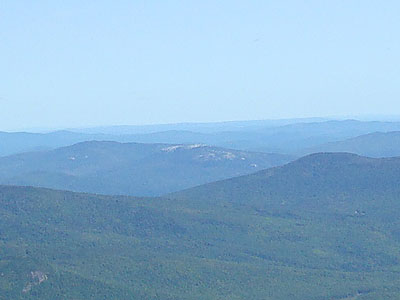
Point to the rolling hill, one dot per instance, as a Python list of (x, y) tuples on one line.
[(325, 226), (376, 144), (131, 168)]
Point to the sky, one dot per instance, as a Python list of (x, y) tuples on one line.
[(89, 63)]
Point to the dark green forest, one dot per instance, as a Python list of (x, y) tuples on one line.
[(323, 227)]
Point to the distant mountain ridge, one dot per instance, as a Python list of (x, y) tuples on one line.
[(131, 168), (376, 144), (208, 127), (259, 136)]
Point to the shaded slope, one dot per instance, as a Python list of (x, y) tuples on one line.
[(328, 183)]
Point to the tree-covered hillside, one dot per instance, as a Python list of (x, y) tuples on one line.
[(340, 182), (323, 227)]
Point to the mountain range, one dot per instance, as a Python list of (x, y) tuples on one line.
[(259, 136), (325, 226), (131, 168), (376, 144)]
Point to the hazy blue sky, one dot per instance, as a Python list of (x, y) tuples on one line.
[(85, 63)]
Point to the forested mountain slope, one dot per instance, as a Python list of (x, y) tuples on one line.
[(323, 227)]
